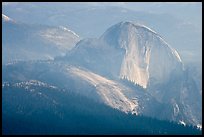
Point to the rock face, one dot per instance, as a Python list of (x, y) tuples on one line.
[(135, 53), (140, 56)]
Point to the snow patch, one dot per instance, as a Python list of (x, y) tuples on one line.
[(199, 126), (182, 122), (6, 18), (176, 108), (28, 84), (66, 29)]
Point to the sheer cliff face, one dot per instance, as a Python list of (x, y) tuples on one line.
[(146, 56), (141, 56), (129, 51)]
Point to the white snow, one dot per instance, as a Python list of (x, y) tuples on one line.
[(182, 122), (149, 29), (6, 18), (176, 109), (27, 84), (5, 84), (173, 51), (66, 29), (199, 126), (176, 54)]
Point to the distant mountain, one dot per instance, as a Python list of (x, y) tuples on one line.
[(129, 51), (141, 56), (129, 68), (30, 42)]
